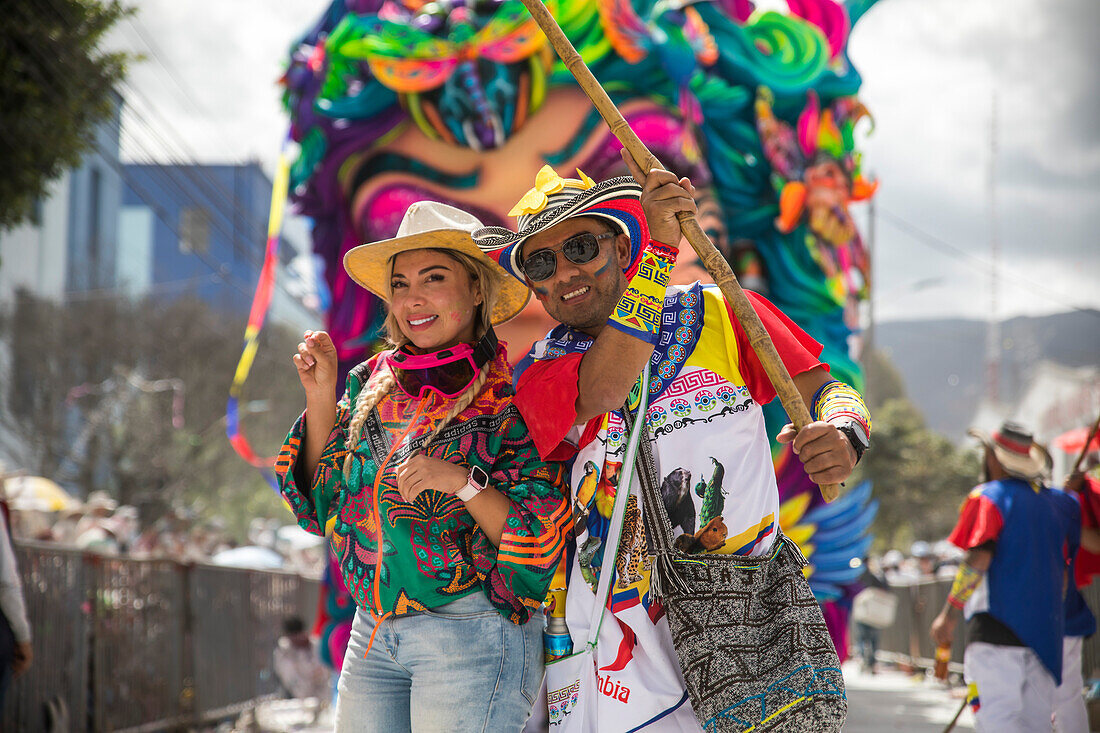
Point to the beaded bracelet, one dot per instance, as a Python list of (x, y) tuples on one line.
[(836, 402), (967, 580), (638, 311)]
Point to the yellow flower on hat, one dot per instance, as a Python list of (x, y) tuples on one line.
[(532, 202), (546, 182), (586, 182)]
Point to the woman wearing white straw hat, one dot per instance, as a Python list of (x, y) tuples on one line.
[(446, 523)]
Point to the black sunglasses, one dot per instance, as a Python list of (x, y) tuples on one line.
[(579, 249)]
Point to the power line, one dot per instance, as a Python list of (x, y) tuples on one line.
[(161, 59), (216, 192), (974, 261), (219, 269), (162, 287), (204, 181), (198, 174)]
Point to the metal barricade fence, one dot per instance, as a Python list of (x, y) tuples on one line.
[(54, 588), (145, 645), (908, 640)]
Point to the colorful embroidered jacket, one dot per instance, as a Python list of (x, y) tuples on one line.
[(433, 551)]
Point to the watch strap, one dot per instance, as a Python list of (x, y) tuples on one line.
[(472, 487), (469, 491)]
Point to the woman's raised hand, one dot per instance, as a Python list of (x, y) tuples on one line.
[(316, 363)]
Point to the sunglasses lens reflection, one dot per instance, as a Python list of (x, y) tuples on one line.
[(580, 250)]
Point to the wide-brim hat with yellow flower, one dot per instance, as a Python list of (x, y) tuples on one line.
[(555, 199), (432, 225)]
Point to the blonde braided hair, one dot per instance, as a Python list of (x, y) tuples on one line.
[(383, 379), (377, 387)]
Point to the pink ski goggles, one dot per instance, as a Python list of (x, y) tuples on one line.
[(449, 372)]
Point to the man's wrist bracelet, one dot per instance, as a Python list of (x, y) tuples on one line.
[(638, 311), (838, 404)]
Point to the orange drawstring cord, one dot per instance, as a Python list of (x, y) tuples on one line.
[(378, 530)]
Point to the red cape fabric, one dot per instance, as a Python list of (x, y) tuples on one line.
[(1088, 563)]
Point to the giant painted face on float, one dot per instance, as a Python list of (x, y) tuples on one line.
[(488, 182), (461, 101)]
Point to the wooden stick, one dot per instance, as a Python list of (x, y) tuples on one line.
[(951, 726), (715, 263), (1085, 447)]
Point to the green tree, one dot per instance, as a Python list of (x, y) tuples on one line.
[(113, 351), (882, 379), (55, 87), (920, 478)]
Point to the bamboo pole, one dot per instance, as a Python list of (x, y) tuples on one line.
[(1085, 448), (715, 263), (951, 726)]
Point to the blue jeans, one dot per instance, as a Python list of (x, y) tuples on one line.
[(459, 667)]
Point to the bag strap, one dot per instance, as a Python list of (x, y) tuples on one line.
[(622, 495), (664, 577)]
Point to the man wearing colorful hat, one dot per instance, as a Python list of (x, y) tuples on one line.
[(1010, 588), (598, 258), (1070, 713)]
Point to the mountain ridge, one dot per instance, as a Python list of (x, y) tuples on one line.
[(942, 361)]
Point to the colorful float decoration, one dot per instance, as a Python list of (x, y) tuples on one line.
[(462, 101)]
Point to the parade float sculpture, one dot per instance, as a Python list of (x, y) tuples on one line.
[(461, 101)]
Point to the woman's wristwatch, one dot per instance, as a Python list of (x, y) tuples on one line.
[(477, 482)]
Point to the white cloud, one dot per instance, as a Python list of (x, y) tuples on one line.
[(931, 69), (227, 57)]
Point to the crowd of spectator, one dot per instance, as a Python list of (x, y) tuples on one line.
[(101, 525)]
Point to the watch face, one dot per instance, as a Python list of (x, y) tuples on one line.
[(857, 430), (479, 477), (856, 436)]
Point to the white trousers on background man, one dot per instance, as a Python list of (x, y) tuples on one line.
[(1015, 690), (1070, 715)]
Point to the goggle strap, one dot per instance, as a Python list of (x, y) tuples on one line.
[(486, 348)]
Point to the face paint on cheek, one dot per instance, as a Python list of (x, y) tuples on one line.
[(608, 262), (540, 292)]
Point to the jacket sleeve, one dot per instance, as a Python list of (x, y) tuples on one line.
[(314, 505), (517, 574), (980, 521), (12, 604)]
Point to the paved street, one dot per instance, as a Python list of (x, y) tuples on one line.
[(892, 701), (888, 701)]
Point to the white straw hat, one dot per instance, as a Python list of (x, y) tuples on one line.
[(432, 225)]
